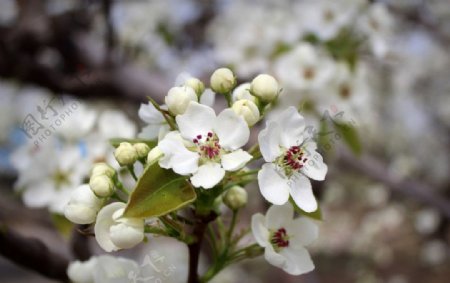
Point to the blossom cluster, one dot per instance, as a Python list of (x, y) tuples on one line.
[(210, 153)]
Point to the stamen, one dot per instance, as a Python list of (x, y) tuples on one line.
[(280, 238)]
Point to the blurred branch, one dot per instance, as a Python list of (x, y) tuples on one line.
[(79, 68), (376, 170), (32, 254), (79, 243), (110, 38)]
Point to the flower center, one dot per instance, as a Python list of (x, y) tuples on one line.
[(280, 239), (309, 73), (292, 160), (60, 178), (208, 147)]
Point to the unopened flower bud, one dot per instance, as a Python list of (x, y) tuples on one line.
[(142, 149), (154, 154), (196, 85), (103, 169), (235, 197), (178, 99), (83, 206), (247, 110), (101, 185), (222, 80), (125, 154), (265, 87), (243, 92)]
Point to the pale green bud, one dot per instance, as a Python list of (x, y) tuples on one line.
[(235, 197), (222, 80), (142, 149), (196, 85), (178, 99), (265, 87), (247, 110), (126, 154), (154, 154), (101, 185), (103, 169)]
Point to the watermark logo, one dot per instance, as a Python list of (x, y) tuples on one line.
[(154, 269), (50, 116)]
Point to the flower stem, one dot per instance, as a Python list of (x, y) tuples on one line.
[(133, 174)]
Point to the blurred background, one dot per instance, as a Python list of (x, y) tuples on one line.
[(73, 74)]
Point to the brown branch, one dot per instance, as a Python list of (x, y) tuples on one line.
[(32, 254), (376, 170)]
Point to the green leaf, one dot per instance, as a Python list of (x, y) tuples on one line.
[(116, 142), (316, 215), (158, 192), (349, 135)]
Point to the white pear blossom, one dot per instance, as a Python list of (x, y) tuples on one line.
[(83, 206), (206, 145), (325, 18), (292, 158), (304, 68), (113, 231), (48, 174), (378, 24), (285, 238)]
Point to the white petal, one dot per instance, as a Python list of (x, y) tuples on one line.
[(269, 143), (150, 132), (185, 163), (103, 224), (298, 261), (314, 168), (208, 97), (197, 120), (232, 130), (301, 192), (279, 216), (293, 127), (274, 258), (176, 156), (235, 160), (149, 114), (272, 185), (259, 230), (302, 232), (208, 175)]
